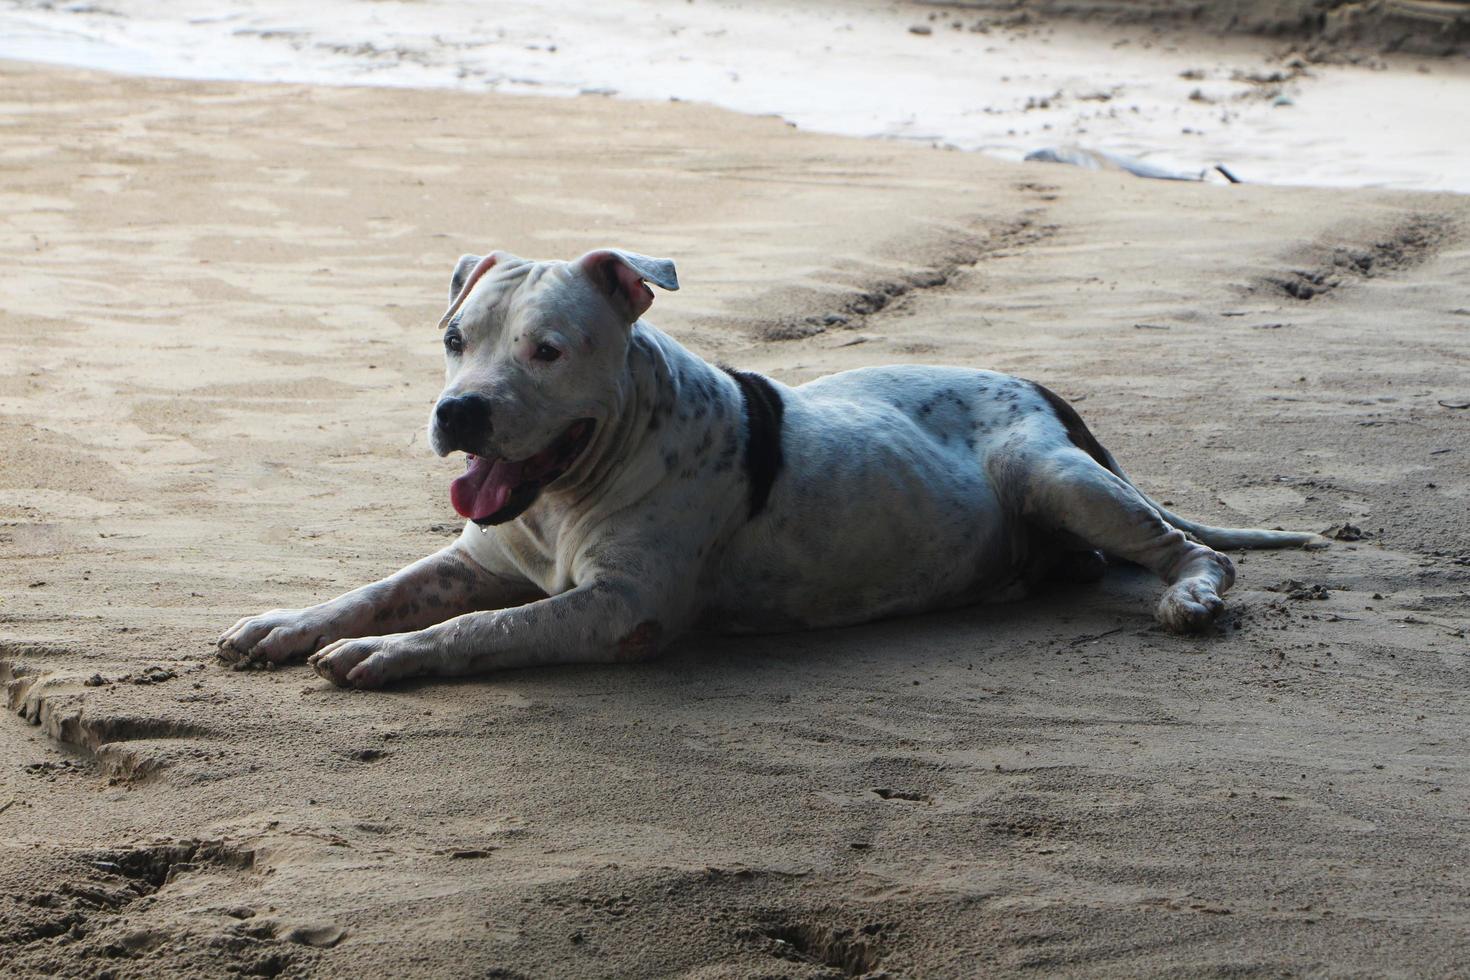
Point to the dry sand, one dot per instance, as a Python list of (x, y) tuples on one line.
[(216, 355)]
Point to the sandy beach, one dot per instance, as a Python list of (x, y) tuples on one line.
[(217, 354), (1167, 85)]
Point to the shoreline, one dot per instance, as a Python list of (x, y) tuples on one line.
[(974, 82)]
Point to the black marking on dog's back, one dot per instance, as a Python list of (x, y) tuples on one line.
[(763, 411), (1077, 430)]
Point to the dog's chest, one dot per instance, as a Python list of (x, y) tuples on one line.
[(532, 543)]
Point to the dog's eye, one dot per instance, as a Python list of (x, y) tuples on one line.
[(545, 352), (453, 342)]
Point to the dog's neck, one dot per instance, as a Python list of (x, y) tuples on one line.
[(664, 390), (671, 409)]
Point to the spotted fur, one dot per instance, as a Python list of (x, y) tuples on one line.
[(728, 500)]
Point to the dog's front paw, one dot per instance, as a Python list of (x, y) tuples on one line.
[(366, 662), (274, 637)]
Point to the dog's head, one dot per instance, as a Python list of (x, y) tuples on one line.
[(534, 355)]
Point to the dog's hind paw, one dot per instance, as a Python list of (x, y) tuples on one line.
[(1190, 606)]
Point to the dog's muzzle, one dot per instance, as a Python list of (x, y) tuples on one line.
[(463, 421), (494, 490)]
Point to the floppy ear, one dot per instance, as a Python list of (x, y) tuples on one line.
[(620, 276), (467, 272), (462, 270)]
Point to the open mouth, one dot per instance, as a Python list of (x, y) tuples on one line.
[(493, 491)]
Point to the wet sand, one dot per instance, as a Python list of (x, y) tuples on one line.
[(1001, 81), (216, 356)]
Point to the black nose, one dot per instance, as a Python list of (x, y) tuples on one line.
[(464, 420)]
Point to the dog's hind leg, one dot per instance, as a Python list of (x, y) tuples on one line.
[(1065, 489)]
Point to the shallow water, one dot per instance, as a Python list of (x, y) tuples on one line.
[(853, 68)]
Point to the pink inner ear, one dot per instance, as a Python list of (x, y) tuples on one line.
[(481, 267), (611, 273), (640, 297)]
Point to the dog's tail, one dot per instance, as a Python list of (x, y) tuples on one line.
[(1224, 538), (1220, 538)]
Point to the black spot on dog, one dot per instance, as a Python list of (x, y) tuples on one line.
[(452, 567), (763, 412), (1077, 430)]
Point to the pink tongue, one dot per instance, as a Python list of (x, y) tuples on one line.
[(485, 487)]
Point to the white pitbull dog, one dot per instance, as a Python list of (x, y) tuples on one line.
[(620, 490)]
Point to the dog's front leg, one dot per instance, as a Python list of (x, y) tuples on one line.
[(602, 621), (446, 584)]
